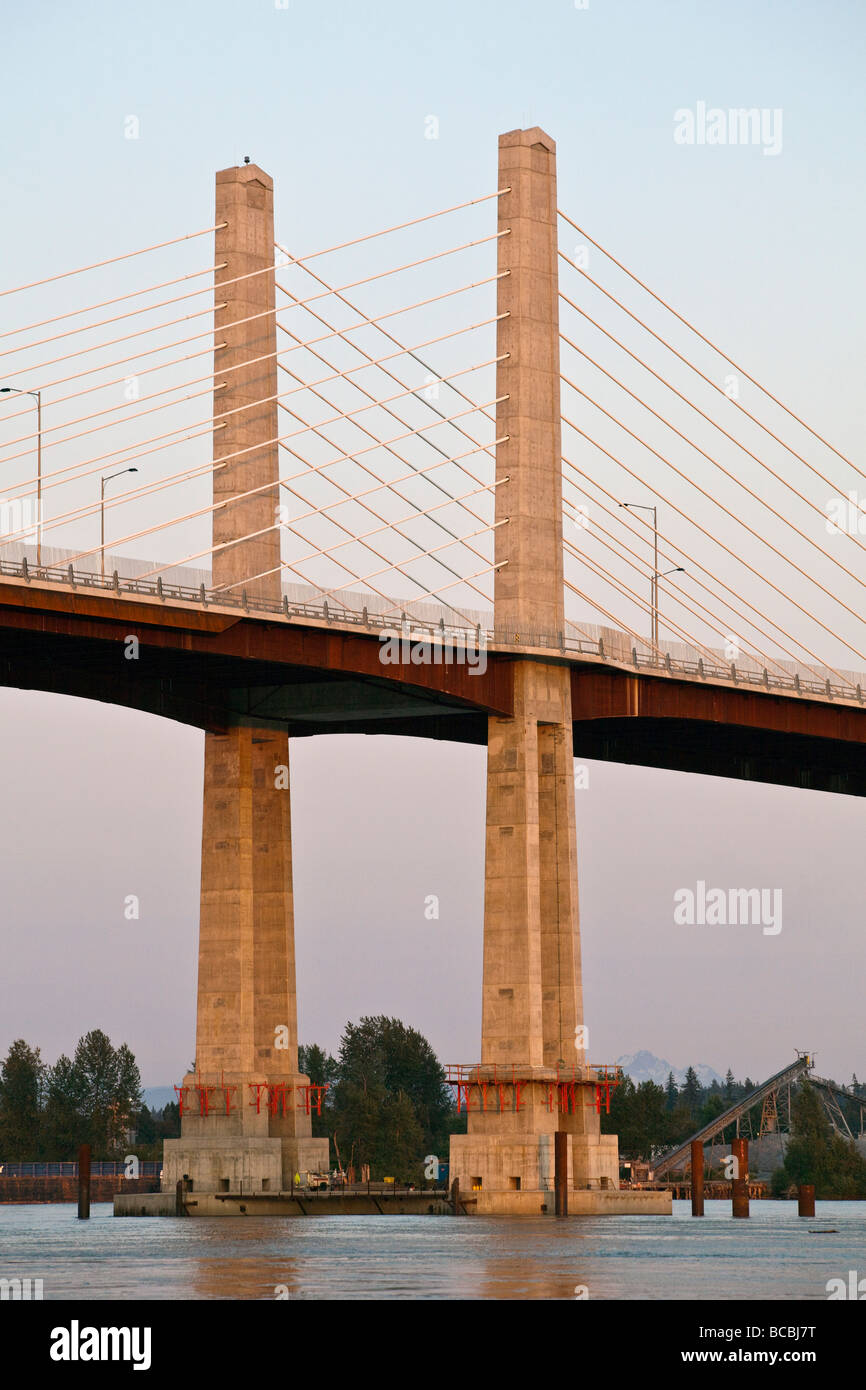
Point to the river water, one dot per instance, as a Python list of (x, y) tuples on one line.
[(773, 1255)]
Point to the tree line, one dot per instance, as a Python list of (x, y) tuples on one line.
[(387, 1105), (94, 1097)]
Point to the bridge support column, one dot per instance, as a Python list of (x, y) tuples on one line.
[(257, 1129), (246, 1114), (532, 1002)]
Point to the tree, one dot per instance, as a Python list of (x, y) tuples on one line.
[(63, 1128), (318, 1065), (22, 1077), (671, 1092), (98, 1074), (712, 1107), (93, 1099), (384, 1053), (389, 1106), (153, 1126), (323, 1070), (127, 1102), (639, 1116), (728, 1092), (690, 1095), (816, 1155)]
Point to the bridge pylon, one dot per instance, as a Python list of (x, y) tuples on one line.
[(246, 1122), (532, 1010)]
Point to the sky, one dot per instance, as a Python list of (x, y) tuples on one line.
[(763, 251)]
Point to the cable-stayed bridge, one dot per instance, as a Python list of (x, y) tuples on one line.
[(465, 477)]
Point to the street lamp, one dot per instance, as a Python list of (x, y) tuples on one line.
[(37, 396), (106, 478), (654, 592), (654, 608), (656, 574)]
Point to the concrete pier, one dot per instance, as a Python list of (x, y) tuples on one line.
[(246, 1115), (532, 1003)]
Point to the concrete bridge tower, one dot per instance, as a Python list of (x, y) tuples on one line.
[(246, 1107), (532, 1001), (246, 1115)]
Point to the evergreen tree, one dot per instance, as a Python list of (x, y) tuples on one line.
[(323, 1070), (127, 1102), (690, 1094), (98, 1074), (390, 1106), (63, 1127), (22, 1077), (318, 1065), (729, 1088), (815, 1154), (94, 1099), (712, 1107), (671, 1092), (383, 1054), (640, 1117)]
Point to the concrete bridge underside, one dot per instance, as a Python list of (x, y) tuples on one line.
[(214, 671)]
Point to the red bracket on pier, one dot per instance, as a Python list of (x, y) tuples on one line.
[(258, 1087), (313, 1096), (598, 1090), (204, 1095)]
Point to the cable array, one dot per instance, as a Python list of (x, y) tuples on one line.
[(389, 476), (379, 368), (740, 526)]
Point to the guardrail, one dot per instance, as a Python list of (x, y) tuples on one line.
[(415, 630), (99, 1168), (490, 1073)]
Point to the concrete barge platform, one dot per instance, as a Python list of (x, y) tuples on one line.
[(541, 1203)]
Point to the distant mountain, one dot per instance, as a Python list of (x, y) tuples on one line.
[(155, 1097), (645, 1066)]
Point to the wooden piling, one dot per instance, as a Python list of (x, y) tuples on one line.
[(84, 1183), (560, 1173), (740, 1181), (697, 1178)]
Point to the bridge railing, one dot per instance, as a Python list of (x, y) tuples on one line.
[(413, 630), (99, 1168), (491, 1073)]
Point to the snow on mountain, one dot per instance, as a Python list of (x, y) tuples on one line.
[(645, 1066)]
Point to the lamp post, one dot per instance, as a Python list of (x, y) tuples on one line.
[(106, 478), (654, 609), (37, 396), (654, 593), (656, 574)]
